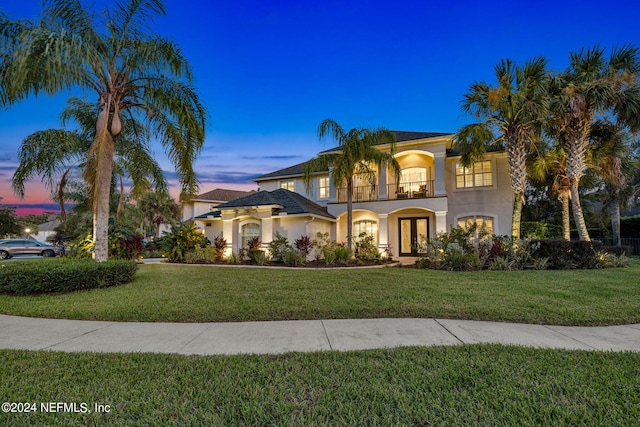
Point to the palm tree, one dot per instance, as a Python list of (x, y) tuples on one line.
[(159, 208), (131, 72), (549, 168), (54, 154), (508, 115), (618, 169), (355, 156), (593, 86)]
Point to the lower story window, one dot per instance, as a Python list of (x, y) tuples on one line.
[(367, 226), (250, 231), (484, 223)]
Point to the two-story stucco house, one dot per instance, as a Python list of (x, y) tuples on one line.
[(434, 194)]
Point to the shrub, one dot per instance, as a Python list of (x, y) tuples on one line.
[(565, 254), (540, 230), (501, 264), (343, 254), (234, 258), (219, 245), (64, 275), (293, 257), (253, 243), (329, 255), (304, 245), (125, 243), (365, 249), (180, 240), (200, 255), (278, 246), (257, 256)]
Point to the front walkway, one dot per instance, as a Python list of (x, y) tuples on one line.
[(299, 335)]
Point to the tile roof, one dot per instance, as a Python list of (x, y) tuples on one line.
[(222, 195), (286, 201)]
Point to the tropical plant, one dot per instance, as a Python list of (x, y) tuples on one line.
[(159, 208), (182, 238), (55, 153), (509, 115), (131, 72), (591, 87), (357, 152)]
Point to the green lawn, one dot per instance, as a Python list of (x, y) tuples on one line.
[(180, 293), (450, 386)]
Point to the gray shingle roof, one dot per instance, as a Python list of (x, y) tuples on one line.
[(285, 201), (222, 195)]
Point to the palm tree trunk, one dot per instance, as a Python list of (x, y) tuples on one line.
[(578, 217), (566, 219), (102, 151), (349, 212), (614, 212), (120, 201), (518, 203)]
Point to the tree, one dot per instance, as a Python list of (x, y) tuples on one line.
[(592, 87), (509, 115), (159, 208), (131, 72), (355, 155), (617, 167), (55, 153), (8, 221)]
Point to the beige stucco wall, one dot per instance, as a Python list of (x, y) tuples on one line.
[(495, 201)]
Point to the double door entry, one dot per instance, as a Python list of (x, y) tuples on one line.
[(411, 230)]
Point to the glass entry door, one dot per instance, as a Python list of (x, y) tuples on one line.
[(410, 231)]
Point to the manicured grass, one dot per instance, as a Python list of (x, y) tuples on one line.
[(453, 386), (179, 293)]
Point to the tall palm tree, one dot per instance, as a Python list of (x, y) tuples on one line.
[(593, 86), (355, 156), (509, 115), (131, 72), (55, 153)]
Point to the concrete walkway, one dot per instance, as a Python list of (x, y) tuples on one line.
[(300, 335)]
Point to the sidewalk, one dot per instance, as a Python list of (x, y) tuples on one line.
[(299, 335)]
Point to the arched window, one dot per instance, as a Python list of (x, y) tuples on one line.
[(366, 226), (249, 231), (484, 223)]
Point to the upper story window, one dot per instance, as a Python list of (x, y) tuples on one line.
[(413, 179), (477, 175), (323, 184), (288, 185), (484, 224)]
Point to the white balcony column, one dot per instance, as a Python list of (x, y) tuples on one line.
[(383, 232), (438, 163), (382, 183), (441, 221)]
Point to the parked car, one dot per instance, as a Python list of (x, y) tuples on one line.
[(11, 247)]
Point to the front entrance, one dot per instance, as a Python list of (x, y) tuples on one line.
[(410, 231)]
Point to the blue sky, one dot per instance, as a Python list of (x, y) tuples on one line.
[(271, 71)]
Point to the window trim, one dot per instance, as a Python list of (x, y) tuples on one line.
[(285, 184), (475, 221), (320, 187), (473, 174)]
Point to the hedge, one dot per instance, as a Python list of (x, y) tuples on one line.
[(63, 275)]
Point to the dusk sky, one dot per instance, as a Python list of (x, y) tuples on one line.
[(270, 71)]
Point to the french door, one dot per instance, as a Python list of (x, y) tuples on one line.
[(411, 230)]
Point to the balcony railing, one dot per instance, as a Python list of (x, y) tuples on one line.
[(404, 190), (411, 190)]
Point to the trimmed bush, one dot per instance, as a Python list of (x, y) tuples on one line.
[(565, 254), (64, 275), (200, 255)]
